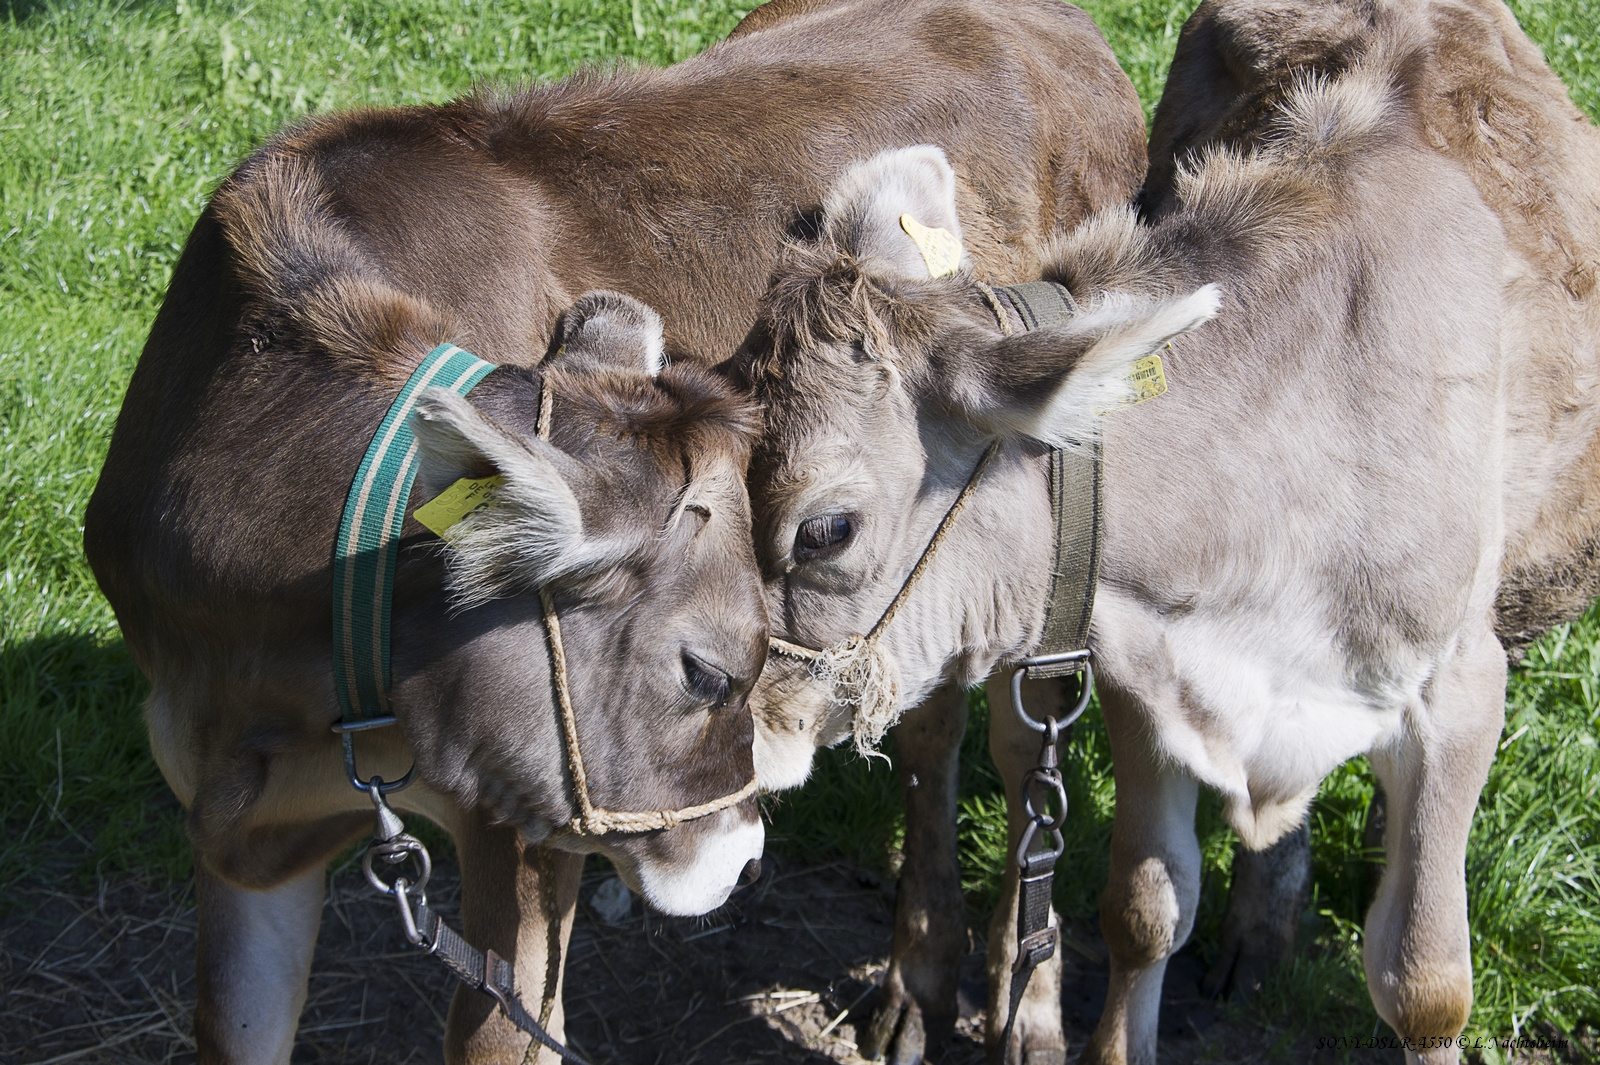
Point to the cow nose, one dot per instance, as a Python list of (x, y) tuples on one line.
[(752, 872)]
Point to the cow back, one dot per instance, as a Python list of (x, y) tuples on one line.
[(1489, 104)]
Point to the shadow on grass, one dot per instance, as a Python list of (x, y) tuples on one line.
[(79, 791), (22, 11)]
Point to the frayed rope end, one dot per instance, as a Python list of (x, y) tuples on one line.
[(864, 677)]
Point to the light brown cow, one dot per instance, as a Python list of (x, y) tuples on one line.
[(320, 275), (1487, 101), (1303, 539)]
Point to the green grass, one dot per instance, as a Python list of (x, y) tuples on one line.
[(116, 119)]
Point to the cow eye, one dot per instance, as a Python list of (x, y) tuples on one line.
[(824, 535), (706, 682)]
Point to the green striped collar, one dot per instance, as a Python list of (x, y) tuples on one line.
[(364, 554)]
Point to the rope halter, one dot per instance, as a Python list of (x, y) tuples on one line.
[(594, 820)]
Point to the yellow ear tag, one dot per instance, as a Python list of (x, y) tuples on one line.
[(445, 510), (1147, 380), (939, 247)]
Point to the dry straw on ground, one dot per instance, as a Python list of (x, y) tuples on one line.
[(788, 972)]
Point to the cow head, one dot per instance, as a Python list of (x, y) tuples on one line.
[(633, 517), (884, 385)]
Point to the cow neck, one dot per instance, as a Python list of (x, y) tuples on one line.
[(363, 593)]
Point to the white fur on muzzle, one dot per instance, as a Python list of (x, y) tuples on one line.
[(704, 882)]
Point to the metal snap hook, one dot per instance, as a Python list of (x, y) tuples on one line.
[(393, 852)]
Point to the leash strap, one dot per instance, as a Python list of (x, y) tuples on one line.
[(1075, 510), (1036, 936), (364, 553), (484, 971)]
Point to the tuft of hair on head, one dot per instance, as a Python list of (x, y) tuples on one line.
[(846, 287), (685, 408), (818, 297), (608, 358)]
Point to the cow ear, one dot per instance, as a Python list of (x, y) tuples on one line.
[(609, 331), (1051, 384), (895, 214), (530, 531)]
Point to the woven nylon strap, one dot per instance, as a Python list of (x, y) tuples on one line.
[(1075, 496), (487, 972), (1036, 936), (364, 554)]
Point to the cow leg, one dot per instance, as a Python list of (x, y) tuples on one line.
[(251, 966), (1270, 890), (930, 927), (1417, 949), (1372, 844), (519, 902), (1148, 907), (1036, 1038)]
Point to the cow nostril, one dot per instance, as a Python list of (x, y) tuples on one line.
[(752, 872)]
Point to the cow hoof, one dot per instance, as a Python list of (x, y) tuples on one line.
[(1238, 973), (1270, 890), (897, 1030), (1035, 1056)]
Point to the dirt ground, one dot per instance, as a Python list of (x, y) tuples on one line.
[(786, 972)]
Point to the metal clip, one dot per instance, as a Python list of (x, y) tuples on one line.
[(1085, 682), (393, 845), (347, 737), (408, 920)]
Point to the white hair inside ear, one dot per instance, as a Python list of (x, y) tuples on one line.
[(532, 534), (862, 212), (1126, 329)]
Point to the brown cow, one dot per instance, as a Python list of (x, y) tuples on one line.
[(1490, 103), (325, 269)]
